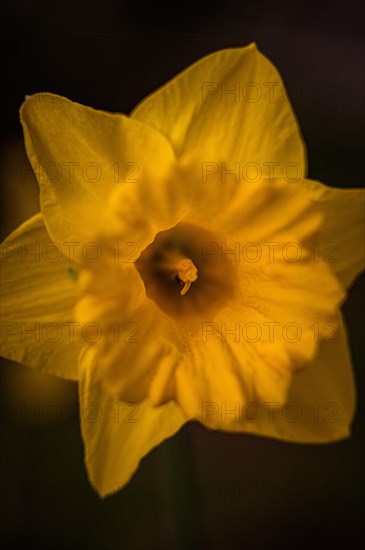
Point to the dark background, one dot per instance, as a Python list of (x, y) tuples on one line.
[(201, 489)]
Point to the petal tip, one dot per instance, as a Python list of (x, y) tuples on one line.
[(40, 97)]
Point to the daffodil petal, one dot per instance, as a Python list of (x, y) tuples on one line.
[(38, 296), (134, 337), (267, 209), (320, 404), (159, 200), (201, 115), (131, 357), (116, 434), (342, 235), (79, 156), (209, 375), (248, 210)]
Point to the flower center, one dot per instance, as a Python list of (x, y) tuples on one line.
[(177, 258), (182, 269)]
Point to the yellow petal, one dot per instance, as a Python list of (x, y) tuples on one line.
[(134, 338), (112, 290), (248, 210), (38, 297), (159, 199), (208, 376), (341, 238), (319, 407), (117, 435), (132, 356), (255, 124), (79, 155), (270, 208)]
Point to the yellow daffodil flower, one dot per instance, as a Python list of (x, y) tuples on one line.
[(183, 267)]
